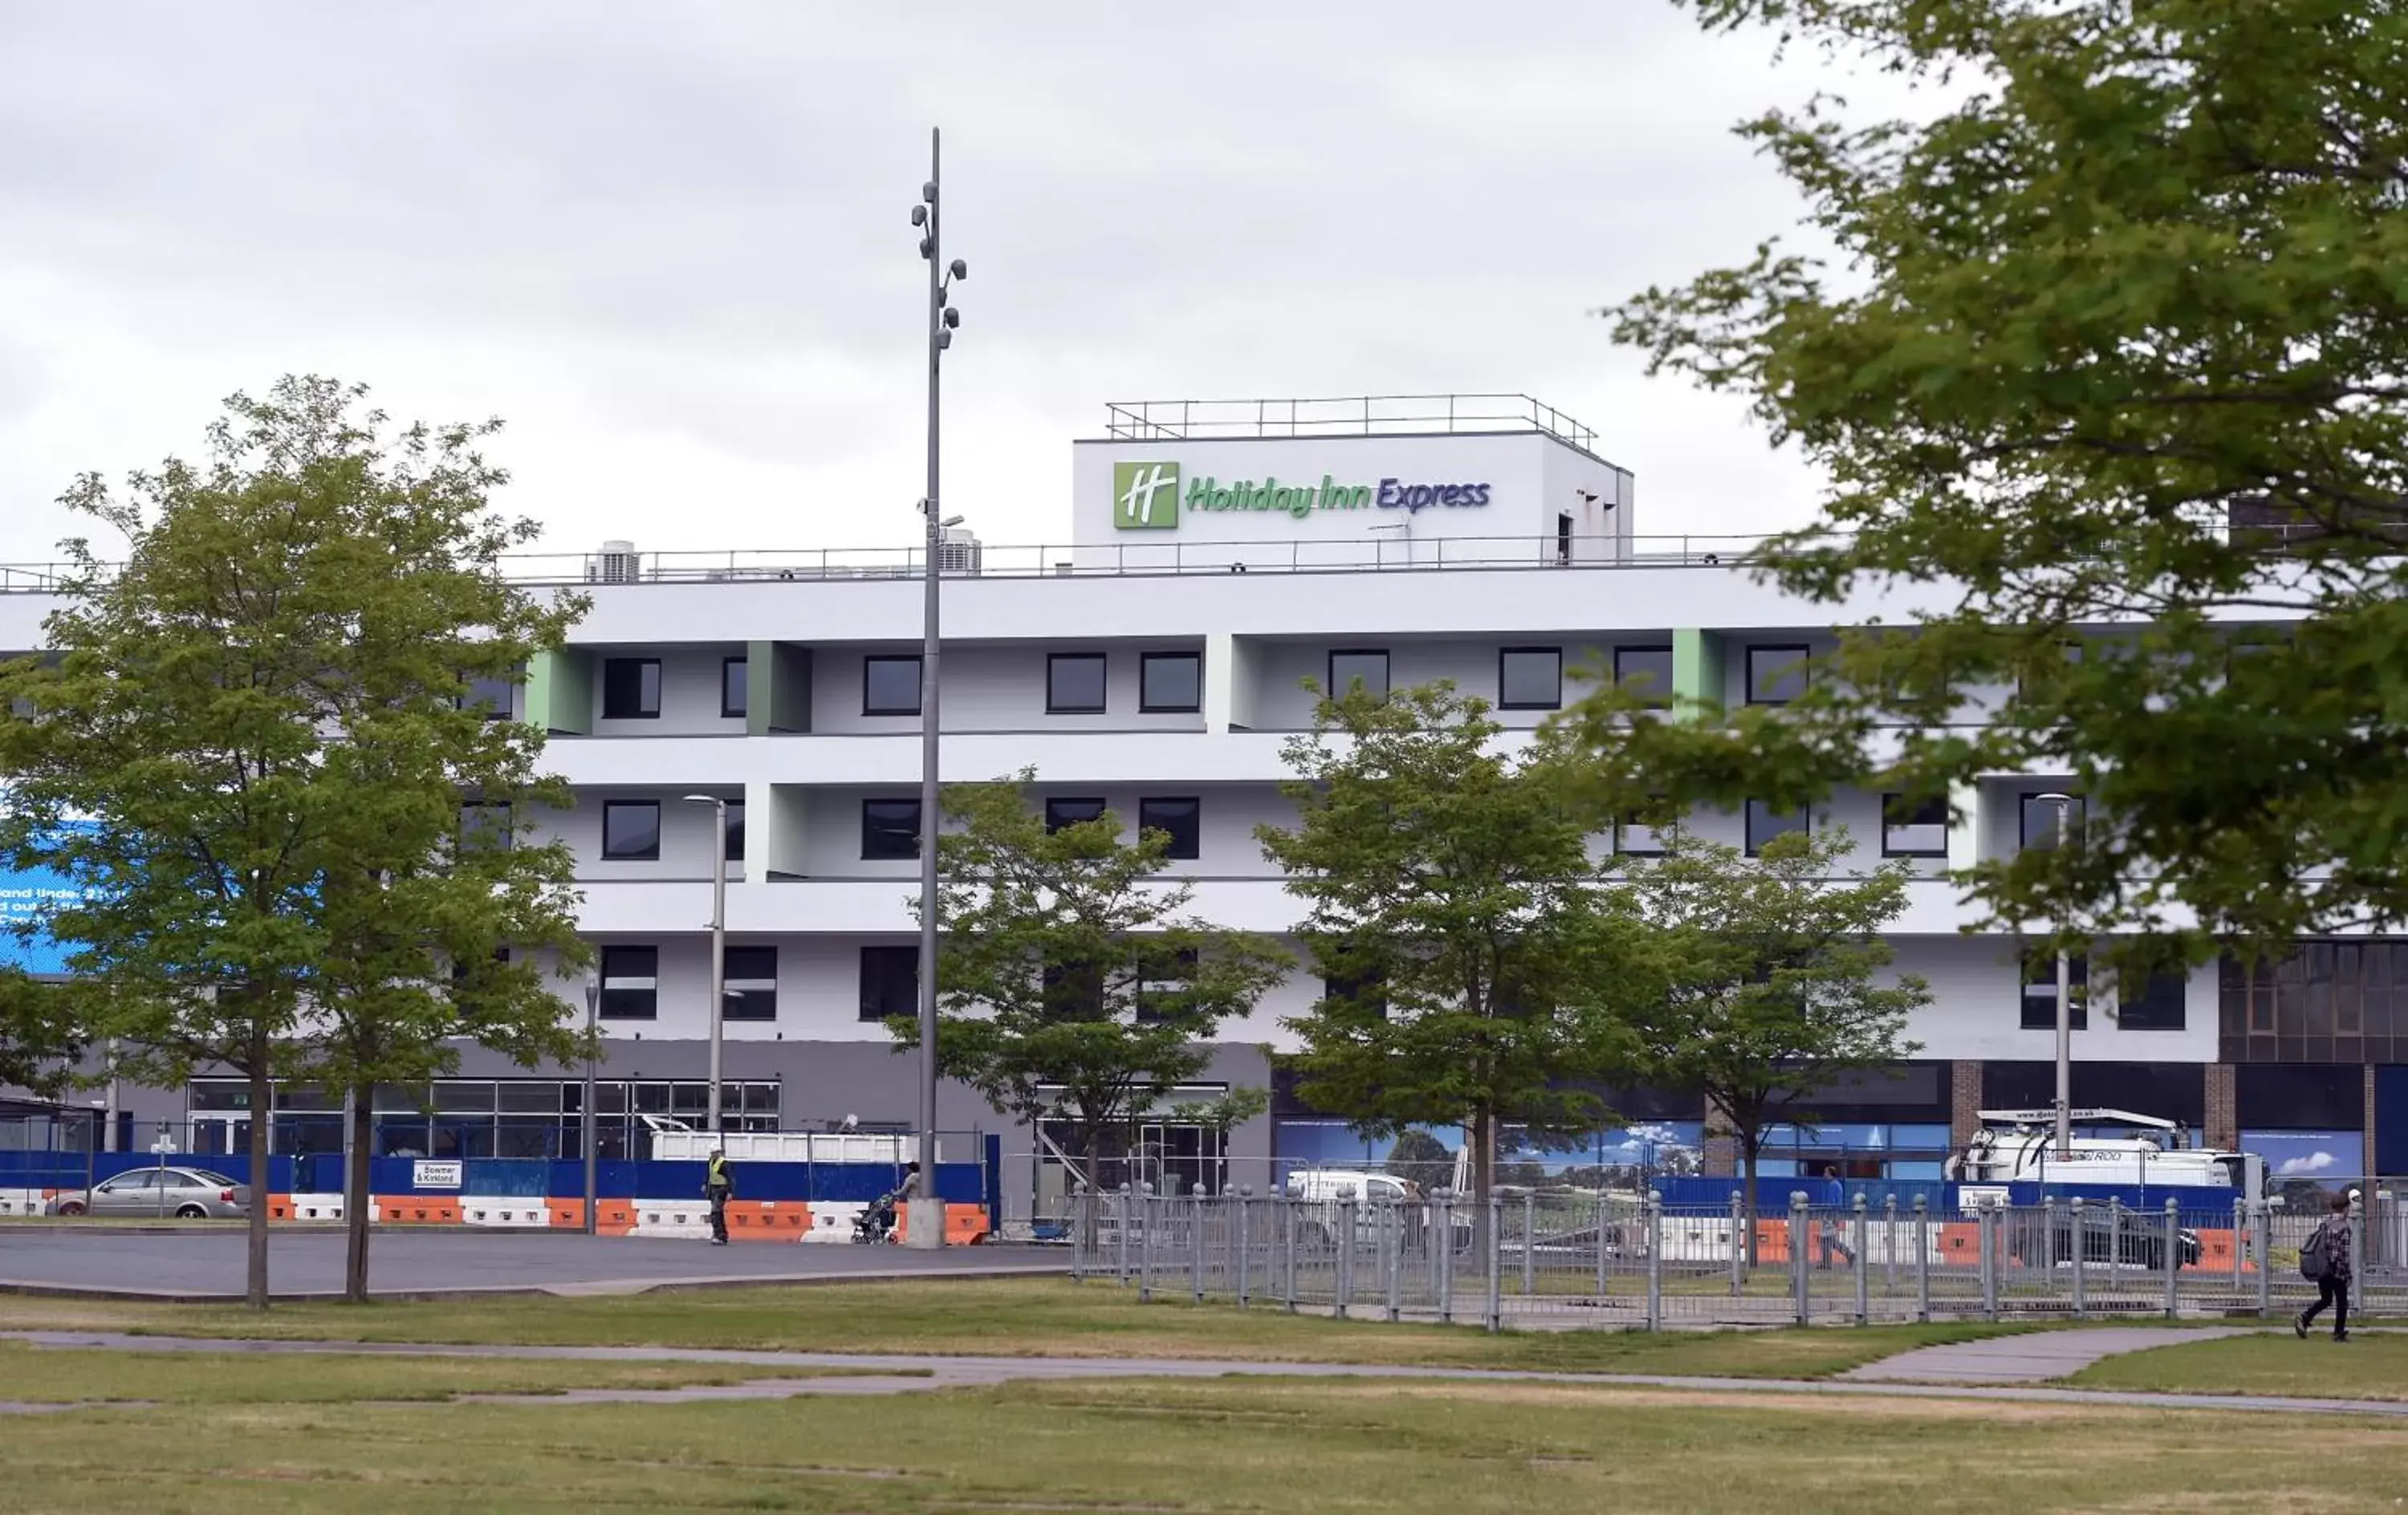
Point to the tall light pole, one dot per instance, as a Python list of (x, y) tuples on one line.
[(924, 1219), (2064, 803), (718, 945), (593, 1013)]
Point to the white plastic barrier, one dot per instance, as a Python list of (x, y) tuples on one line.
[(511, 1211)]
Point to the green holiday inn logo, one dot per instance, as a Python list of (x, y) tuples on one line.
[(1145, 496)]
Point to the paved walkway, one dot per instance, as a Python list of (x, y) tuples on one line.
[(2033, 1357), (871, 1374)]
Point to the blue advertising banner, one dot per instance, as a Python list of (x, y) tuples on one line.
[(23, 892)]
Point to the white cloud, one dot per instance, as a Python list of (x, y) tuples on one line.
[(2310, 1163)]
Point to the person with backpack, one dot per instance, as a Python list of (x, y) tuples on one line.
[(2325, 1260)]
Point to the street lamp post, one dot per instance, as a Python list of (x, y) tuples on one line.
[(593, 1013), (718, 946), (2064, 803), (924, 1219)]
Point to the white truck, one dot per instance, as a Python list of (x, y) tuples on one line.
[(2020, 1147)]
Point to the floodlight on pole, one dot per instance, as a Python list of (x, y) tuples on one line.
[(925, 1218)]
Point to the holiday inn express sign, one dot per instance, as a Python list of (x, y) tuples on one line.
[(1149, 495)]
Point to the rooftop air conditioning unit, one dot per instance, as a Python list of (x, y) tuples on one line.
[(959, 552), (616, 563)]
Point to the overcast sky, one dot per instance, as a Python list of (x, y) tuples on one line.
[(668, 243)]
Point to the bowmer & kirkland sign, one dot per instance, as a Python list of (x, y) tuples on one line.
[(1147, 496)]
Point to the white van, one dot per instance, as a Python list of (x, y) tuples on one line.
[(1330, 1185)]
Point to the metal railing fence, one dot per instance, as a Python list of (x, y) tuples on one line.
[(1631, 1261)]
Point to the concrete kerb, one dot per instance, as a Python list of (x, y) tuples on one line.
[(915, 1374)]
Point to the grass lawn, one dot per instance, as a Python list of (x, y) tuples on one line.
[(2371, 1367), (37, 1375), (1013, 1317), (1265, 1446)]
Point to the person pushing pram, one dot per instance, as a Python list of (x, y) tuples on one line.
[(876, 1222)]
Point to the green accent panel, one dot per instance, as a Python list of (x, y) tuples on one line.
[(1697, 678), (560, 691), (779, 698)]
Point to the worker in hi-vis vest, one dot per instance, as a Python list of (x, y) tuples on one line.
[(718, 1187)]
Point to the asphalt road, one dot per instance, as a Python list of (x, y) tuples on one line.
[(198, 1264)]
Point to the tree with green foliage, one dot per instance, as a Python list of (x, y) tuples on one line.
[(1419, 1158), (1781, 984), (40, 1035), (1479, 971), (2108, 352), (272, 710), (1074, 985)]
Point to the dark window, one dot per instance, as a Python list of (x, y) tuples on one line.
[(1071, 813), (2040, 992), (1366, 993), (484, 826), (889, 983), (734, 831), (631, 689), (734, 688), (2151, 1002), (1074, 683), (890, 829), (1914, 828), (491, 694), (1181, 818), (1563, 538), (1633, 837), (1365, 666), (1775, 674), (1764, 823), (2328, 1002), (1530, 678), (751, 978), (1161, 975), (1074, 992), (631, 831), (631, 983), (1647, 671), (2301, 1098), (2069, 652), (1169, 683), (890, 685), (2037, 826)]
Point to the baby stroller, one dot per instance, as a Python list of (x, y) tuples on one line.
[(875, 1225)]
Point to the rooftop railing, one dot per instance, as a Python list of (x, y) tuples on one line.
[(1357, 415), (978, 560)]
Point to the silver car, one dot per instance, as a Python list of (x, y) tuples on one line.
[(184, 1193)]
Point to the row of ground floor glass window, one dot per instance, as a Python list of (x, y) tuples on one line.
[(476, 1117)]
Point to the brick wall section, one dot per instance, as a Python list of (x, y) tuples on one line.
[(1720, 1159), (1964, 1102), (2223, 1115), (2371, 1149)]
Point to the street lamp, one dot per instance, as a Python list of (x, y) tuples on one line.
[(2064, 803), (718, 944), (593, 1013), (924, 1220)]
